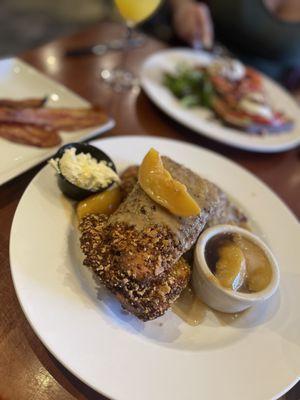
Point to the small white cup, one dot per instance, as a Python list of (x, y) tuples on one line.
[(210, 290)]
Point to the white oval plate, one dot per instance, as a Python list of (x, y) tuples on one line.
[(253, 357), (19, 80), (200, 119)]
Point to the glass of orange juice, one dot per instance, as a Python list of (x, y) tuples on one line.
[(133, 12)]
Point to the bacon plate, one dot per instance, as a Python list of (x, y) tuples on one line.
[(25, 103), (66, 119), (32, 135)]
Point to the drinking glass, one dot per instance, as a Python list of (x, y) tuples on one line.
[(133, 12)]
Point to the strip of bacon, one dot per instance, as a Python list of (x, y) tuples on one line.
[(24, 103), (38, 136), (67, 119)]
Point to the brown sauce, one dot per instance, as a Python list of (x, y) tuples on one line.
[(192, 311), (258, 268), (189, 307)]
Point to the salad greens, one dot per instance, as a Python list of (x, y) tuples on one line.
[(191, 86)]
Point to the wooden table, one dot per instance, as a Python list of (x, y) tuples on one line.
[(27, 370)]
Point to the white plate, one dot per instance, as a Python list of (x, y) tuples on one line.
[(19, 80), (253, 357), (200, 119)]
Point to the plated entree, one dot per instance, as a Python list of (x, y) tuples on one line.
[(137, 232), (233, 91)]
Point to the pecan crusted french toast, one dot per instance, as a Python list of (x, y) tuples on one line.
[(137, 251)]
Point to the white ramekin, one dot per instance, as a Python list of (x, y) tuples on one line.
[(209, 289)]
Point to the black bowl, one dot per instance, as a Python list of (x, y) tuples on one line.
[(69, 189)]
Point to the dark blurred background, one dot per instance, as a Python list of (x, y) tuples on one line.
[(25, 24)]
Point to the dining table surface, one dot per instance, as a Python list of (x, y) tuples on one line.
[(27, 370)]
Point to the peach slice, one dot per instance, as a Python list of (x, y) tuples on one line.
[(231, 266), (102, 203), (158, 183)]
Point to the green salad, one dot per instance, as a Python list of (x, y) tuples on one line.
[(191, 86)]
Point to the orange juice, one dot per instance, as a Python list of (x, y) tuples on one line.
[(135, 11)]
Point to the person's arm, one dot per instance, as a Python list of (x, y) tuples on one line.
[(288, 10), (192, 20)]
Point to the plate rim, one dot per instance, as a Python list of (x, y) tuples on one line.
[(266, 148), (27, 165), (98, 142)]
